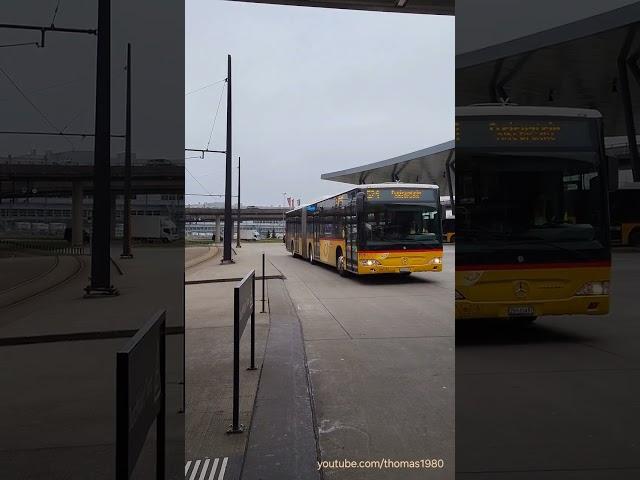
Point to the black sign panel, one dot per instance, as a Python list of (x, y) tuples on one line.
[(244, 296), (395, 195), (244, 309), (527, 132), (140, 394)]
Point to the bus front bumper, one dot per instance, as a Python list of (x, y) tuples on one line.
[(376, 269), (579, 305)]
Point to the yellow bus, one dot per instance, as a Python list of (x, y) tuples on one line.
[(531, 209), (371, 229)]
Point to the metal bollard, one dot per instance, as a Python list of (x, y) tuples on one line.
[(263, 280)]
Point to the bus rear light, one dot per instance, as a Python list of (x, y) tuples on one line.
[(594, 288), (436, 261), (459, 296), (369, 262)]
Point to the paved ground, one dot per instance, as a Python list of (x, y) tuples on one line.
[(209, 361), (381, 362), (57, 409), (194, 255), (371, 359), (558, 400)]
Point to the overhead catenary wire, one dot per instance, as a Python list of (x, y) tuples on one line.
[(206, 86), (65, 83), (197, 181), (216, 115), (35, 107), (55, 13)]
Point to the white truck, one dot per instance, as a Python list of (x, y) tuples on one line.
[(246, 234), (153, 228)]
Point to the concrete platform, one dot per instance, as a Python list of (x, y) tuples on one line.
[(556, 400), (58, 417), (381, 363), (209, 360)]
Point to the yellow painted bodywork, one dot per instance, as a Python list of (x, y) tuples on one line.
[(328, 249), (550, 291), (400, 261), (390, 261)]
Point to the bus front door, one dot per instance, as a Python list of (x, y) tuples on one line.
[(351, 243)]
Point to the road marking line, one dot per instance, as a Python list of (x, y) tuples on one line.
[(213, 469), (204, 469), (223, 467), (195, 470)]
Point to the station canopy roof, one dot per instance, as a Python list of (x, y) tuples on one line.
[(423, 166), (573, 65), (432, 7)]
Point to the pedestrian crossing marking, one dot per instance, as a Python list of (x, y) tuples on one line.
[(192, 473)]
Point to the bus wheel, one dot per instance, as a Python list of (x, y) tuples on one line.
[(293, 252), (311, 259), (340, 266), (634, 238)]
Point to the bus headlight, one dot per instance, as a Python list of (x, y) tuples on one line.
[(369, 262), (459, 296), (436, 261), (594, 288)]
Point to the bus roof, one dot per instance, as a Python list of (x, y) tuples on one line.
[(368, 186), (518, 110)]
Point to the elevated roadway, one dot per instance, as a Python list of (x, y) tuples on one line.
[(200, 214), (18, 179)]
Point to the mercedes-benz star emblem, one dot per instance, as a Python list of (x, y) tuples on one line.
[(521, 289)]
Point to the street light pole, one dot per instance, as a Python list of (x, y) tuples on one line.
[(126, 213), (100, 280), (238, 232), (228, 217)]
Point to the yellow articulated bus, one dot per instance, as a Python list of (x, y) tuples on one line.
[(531, 209), (371, 229)]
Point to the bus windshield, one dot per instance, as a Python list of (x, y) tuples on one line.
[(392, 224), (537, 202)]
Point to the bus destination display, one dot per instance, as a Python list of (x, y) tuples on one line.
[(505, 133), (400, 195)]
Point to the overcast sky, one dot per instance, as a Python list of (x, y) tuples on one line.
[(315, 90), (59, 80)]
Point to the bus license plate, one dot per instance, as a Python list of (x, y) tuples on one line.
[(405, 269), (520, 310)]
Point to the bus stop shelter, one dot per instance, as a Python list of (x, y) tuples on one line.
[(589, 63), (428, 165), (429, 7)]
